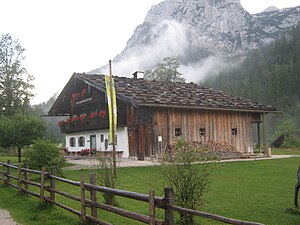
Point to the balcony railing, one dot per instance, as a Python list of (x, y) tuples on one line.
[(94, 124)]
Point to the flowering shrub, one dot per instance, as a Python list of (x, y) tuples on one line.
[(87, 151)]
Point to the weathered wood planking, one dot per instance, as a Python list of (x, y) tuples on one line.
[(218, 126)]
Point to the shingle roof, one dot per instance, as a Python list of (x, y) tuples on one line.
[(177, 95)]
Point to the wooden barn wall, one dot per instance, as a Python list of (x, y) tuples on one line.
[(218, 127), (140, 136)]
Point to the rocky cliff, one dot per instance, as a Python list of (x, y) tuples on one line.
[(194, 29)]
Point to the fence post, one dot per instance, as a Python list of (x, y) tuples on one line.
[(3, 173), (169, 213), (7, 181), (82, 197), (19, 178), (26, 176), (42, 189), (93, 195), (52, 185), (151, 207)]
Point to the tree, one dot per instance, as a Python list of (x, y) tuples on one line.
[(15, 82), (20, 130), (166, 71), (288, 129)]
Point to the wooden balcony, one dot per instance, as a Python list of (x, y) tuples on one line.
[(94, 124)]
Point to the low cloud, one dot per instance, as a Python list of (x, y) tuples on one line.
[(210, 66), (195, 72), (169, 40)]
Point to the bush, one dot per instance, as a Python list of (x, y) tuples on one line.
[(189, 181), (46, 154), (106, 178)]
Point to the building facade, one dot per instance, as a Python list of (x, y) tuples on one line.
[(152, 115)]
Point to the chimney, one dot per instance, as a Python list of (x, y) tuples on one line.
[(138, 75)]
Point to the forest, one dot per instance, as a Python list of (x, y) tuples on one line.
[(270, 75)]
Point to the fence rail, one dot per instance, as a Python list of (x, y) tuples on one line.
[(165, 203)]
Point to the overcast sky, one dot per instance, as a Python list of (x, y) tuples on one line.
[(66, 36)]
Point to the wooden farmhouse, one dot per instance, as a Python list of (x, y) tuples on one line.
[(153, 115)]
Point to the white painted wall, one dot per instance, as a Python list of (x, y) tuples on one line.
[(122, 140)]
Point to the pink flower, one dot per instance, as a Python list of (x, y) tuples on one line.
[(61, 123), (93, 115), (102, 113), (75, 118)]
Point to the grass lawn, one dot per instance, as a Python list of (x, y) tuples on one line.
[(286, 151), (6, 158), (259, 191)]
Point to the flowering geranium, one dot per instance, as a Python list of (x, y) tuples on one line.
[(102, 113), (93, 115), (68, 120), (75, 118), (88, 151), (85, 152), (61, 123), (83, 118)]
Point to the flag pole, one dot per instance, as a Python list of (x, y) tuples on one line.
[(113, 122)]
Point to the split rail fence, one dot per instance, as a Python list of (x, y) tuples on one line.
[(20, 180)]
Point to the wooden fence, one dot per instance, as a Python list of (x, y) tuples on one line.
[(165, 203)]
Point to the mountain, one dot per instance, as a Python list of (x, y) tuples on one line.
[(192, 30)]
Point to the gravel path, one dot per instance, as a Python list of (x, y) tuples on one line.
[(91, 163), (5, 218)]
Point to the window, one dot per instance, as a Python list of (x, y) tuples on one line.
[(102, 138), (81, 141), (202, 132), (177, 132), (234, 131), (72, 142)]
